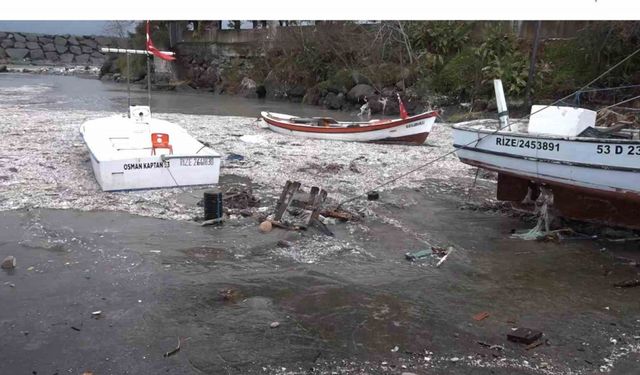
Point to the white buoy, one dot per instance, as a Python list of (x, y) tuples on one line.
[(503, 112)]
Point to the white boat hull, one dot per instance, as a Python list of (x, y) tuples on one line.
[(121, 155), (607, 165)]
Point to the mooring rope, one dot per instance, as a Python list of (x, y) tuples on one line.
[(360, 195)]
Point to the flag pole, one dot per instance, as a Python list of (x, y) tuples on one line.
[(149, 79), (128, 85)]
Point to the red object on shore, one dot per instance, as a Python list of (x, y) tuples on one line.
[(403, 111), (156, 52)]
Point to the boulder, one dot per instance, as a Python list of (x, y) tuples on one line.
[(312, 96), (60, 48), (359, 92), (31, 37), (36, 54), (248, 88), (67, 58), (96, 61), (9, 262), (19, 38), (97, 55), (20, 45), (334, 101), (7, 43), (73, 41), (86, 49), (82, 59), (49, 47), (479, 105), (3, 35), (17, 53), (89, 43), (52, 56), (58, 40), (3, 54), (296, 91), (45, 40), (3, 69), (33, 45), (75, 50), (266, 227), (275, 87)]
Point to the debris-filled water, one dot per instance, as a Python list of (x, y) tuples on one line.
[(428, 279)]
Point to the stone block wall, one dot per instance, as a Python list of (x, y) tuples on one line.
[(55, 49)]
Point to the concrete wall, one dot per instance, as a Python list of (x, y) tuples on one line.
[(55, 49)]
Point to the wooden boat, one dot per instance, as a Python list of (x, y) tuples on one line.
[(593, 173), (411, 129), (141, 152)]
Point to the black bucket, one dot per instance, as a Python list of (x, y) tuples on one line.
[(212, 204)]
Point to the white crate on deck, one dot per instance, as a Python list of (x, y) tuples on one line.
[(562, 121)]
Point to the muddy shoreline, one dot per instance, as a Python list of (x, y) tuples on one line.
[(347, 304)]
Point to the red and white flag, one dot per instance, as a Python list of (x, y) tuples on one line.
[(403, 110), (154, 51)]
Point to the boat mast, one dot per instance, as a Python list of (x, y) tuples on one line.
[(501, 102), (136, 52), (128, 85)]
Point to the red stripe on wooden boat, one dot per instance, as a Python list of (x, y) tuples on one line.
[(359, 129), (416, 139)]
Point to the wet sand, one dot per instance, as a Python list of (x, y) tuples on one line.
[(349, 304)]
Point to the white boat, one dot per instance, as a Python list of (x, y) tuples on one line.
[(123, 155), (594, 173)]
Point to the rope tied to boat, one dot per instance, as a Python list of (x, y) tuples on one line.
[(385, 183)]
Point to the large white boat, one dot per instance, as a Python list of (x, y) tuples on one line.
[(137, 151), (593, 173), (141, 152)]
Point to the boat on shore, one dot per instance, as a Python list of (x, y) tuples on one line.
[(140, 152), (406, 129), (137, 151), (592, 173)]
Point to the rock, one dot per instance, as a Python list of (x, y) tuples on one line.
[(524, 335), (86, 49), (75, 50), (359, 92), (266, 227), (58, 40), (312, 96), (19, 45), (89, 43), (45, 40), (284, 244), (19, 38), (36, 54), (82, 59), (52, 56), (98, 55), (479, 105), (9, 263), (274, 86), (49, 47), (73, 41), (7, 43), (296, 91), (66, 57), (333, 101), (274, 324), (3, 54), (17, 53), (31, 37), (3, 35), (248, 88), (3, 69), (60, 48), (96, 61), (33, 45)]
